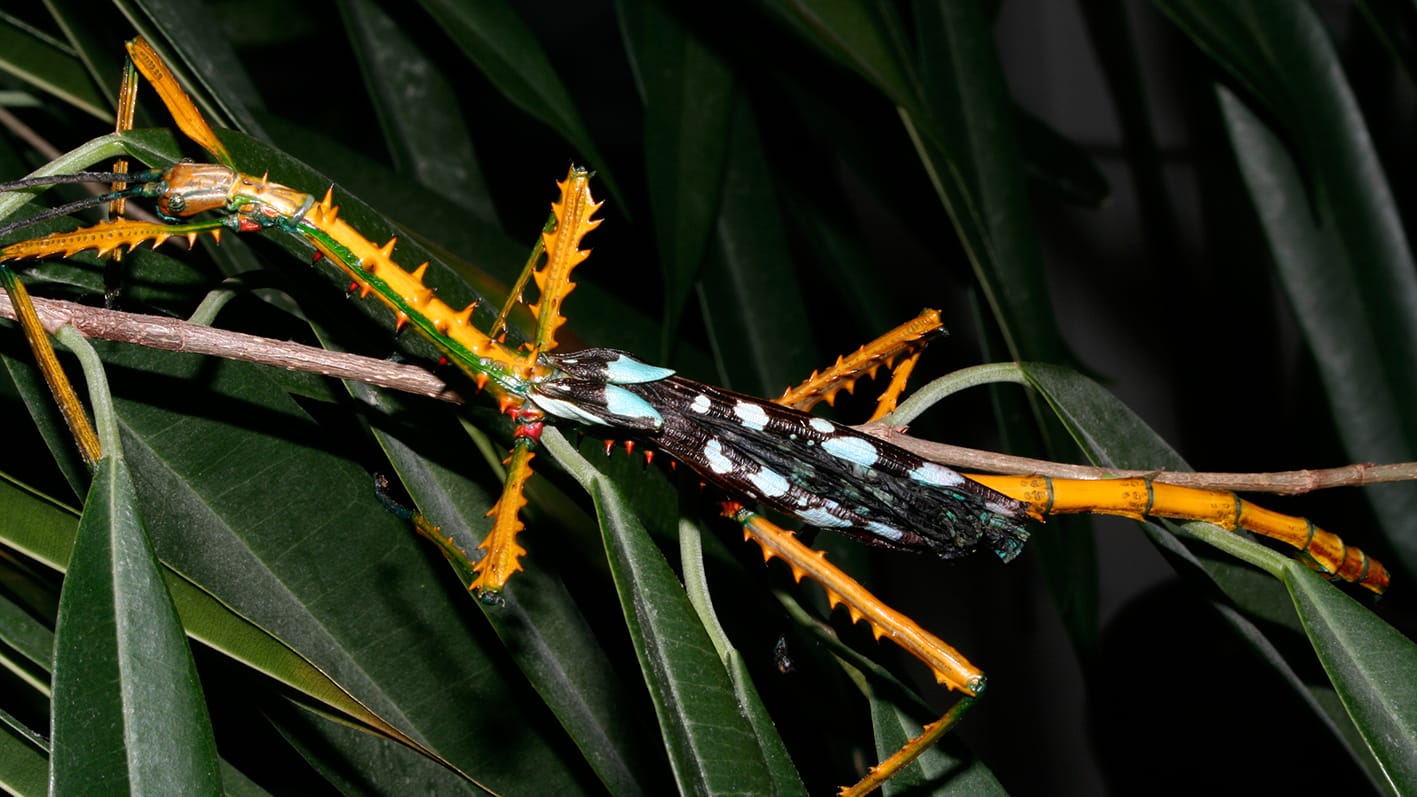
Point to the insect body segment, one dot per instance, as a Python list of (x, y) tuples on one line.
[(824, 474), (588, 388), (830, 476)]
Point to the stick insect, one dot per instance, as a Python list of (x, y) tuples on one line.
[(754, 451)]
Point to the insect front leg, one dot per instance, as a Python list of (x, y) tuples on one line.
[(502, 553)]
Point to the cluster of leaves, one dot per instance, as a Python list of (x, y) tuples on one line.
[(785, 180)]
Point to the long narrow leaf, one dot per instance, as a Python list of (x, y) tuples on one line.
[(128, 711)]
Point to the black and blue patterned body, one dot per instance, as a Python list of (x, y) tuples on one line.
[(825, 474)]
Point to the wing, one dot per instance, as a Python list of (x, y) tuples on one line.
[(829, 475)]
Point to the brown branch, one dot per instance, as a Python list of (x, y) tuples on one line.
[(1290, 482), (169, 334), (181, 336)]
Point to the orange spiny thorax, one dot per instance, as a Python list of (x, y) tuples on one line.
[(373, 270)]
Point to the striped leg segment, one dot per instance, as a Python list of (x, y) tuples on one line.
[(1324, 551)]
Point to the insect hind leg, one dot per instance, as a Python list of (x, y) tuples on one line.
[(949, 667)]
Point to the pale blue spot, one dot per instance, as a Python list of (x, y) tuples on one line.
[(822, 425), (713, 455), (770, 484), (821, 518), (627, 405), (882, 530), (752, 416), (701, 404), (569, 410), (852, 449), (626, 370), (937, 475)]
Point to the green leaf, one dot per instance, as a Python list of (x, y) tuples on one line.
[(860, 36), (45, 65), (128, 711), (274, 572), (712, 745), (500, 45), (689, 95), (969, 139), (1373, 666), (1325, 279), (24, 760), (418, 110), (763, 340), (1332, 224), (540, 623)]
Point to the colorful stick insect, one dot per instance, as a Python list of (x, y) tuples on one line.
[(756, 452)]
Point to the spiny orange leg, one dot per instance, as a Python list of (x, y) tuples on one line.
[(949, 667), (1137, 498), (502, 553), (563, 253), (907, 339), (106, 237), (572, 215)]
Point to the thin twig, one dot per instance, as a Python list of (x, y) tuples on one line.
[(170, 334), (26, 133), (181, 336), (1291, 482)]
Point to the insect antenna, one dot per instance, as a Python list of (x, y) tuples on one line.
[(78, 177), (138, 189)]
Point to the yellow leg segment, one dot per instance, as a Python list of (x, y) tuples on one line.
[(884, 771), (184, 112), (127, 106), (59, 385), (1137, 498)]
